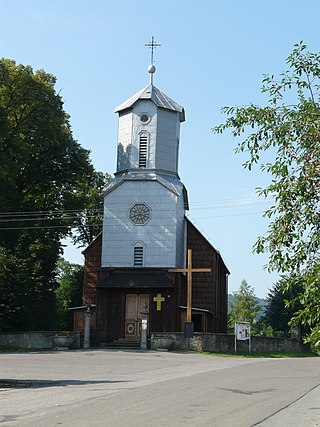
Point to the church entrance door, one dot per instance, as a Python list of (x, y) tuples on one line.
[(135, 304)]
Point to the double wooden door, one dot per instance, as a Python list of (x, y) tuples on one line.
[(135, 305)]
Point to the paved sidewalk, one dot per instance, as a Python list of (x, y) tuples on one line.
[(305, 412)]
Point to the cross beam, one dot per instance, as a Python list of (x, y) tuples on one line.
[(189, 270)]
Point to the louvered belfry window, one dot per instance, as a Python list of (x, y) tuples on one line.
[(143, 150), (138, 256)]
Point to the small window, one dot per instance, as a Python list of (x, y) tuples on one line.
[(143, 150), (138, 256), (144, 118)]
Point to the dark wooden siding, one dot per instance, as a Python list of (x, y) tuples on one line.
[(92, 263), (209, 289)]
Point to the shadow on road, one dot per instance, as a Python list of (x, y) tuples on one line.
[(248, 392), (13, 383)]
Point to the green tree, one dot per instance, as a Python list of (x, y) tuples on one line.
[(243, 307), (278, 313), (12, 308), (88, 223), (44, 175), (69, 291), (288, 129)]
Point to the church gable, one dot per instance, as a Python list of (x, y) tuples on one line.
[(202, 245), (212, 288)]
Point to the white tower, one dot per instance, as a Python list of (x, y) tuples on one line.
[(144, 205)]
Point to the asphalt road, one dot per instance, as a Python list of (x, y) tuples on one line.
[(128, 388)]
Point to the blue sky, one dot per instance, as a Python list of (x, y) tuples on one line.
[(213, 53)]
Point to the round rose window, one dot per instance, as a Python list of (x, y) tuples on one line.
[(140, 213)]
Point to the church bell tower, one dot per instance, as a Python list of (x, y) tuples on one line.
[(136, 267), (144, 205)]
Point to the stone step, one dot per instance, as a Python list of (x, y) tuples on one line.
[(121, 344)]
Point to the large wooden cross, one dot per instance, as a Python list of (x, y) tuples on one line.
[(189, 270)]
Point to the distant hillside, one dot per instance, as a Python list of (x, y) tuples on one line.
[(262, 302)]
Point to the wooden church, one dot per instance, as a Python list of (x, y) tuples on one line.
[(131, 267)]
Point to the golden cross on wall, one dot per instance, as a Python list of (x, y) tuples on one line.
[(158, 299), (189, 270)]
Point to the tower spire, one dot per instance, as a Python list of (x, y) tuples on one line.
[(151, 69)]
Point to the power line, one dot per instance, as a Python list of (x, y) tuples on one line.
[(234, 200), (229, 215), (60, 218), (225, 206), (240, 201), (44, 227), (75, 214), (49, 212)]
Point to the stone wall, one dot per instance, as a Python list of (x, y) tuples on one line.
[(33, 340), (225, 343)]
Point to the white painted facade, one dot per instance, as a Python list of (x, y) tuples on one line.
[(163, 131), (162, 236), (156, 185)]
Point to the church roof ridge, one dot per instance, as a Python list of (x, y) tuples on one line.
[(159, 98)]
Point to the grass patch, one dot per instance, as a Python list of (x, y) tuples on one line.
[(270, 355)]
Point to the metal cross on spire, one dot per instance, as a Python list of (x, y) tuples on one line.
[(152, 45)]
